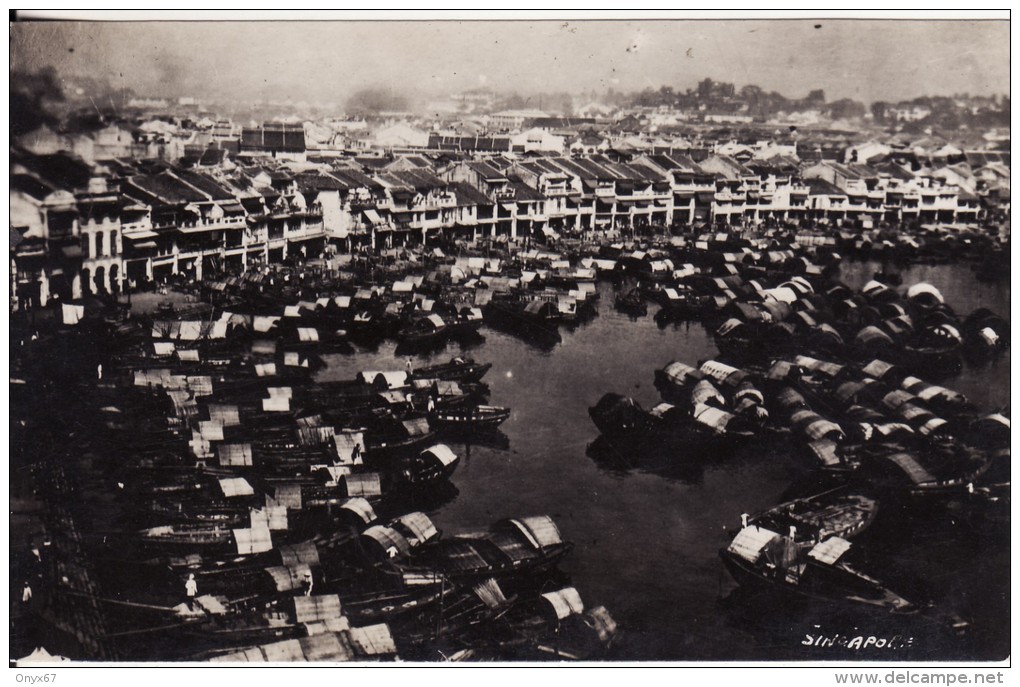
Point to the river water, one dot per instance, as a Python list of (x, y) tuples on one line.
[(648, 529)]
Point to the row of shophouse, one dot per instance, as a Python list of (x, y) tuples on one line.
[(80, 228)]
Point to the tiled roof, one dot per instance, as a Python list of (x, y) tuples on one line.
[(821, 187), (206, 185), (165, 188), (523, 192), (469, 195), (59, 169)]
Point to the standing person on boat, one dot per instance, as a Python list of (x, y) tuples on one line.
[(410, 365), (431, 404), (191, 588), (308, 583), (26, 593), (356, 452)]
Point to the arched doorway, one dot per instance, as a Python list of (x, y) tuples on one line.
[(114, 284), (100, 279), (87, 286)]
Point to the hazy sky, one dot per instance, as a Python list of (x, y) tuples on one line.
[(321, 61)]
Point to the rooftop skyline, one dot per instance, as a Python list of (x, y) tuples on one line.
[(863, 59)]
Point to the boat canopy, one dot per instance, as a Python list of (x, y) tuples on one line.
[(877, 368), (681, 373), (896, 398), (373, 640), (234, 455), (826, 330), (253, 540), (315, 436), (713, 417), (928, 392), (304, 553), (825, 451), (731, 326), (565, 602), (917, 473), (704, 392), (829, 551), (442, 453), (308, 334), (932, 426), (661, 410), (781, 370), (264, 323), (164, 348), (310, 609), (279, 404), (226, 415), (872, 335), (365, 484), (722, 372), (360, 507), (235, 486), (782, 294), (416, 427), (924, 291), (751, 541), (393, 543), (344, 442), (419, 526), (789, 398), (540, 530), (289, 577), (829, 369), (747, 390), (273, 517), (815, 426)]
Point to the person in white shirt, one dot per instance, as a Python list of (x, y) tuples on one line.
[(191, 588)]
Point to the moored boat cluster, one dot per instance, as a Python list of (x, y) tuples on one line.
[(846, 381), (254, 512)]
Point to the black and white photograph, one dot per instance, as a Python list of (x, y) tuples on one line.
[(510, 339)]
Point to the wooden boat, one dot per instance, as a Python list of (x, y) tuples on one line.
[(469, 419), (837, 512), (424, 331), (795, 564), (944, 470), (632, 303), (620, 416), (325, 640), (985, 333), (394, 437), (458, 369), (434, 464), (511, 547), (553, 625), (936, 349)]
